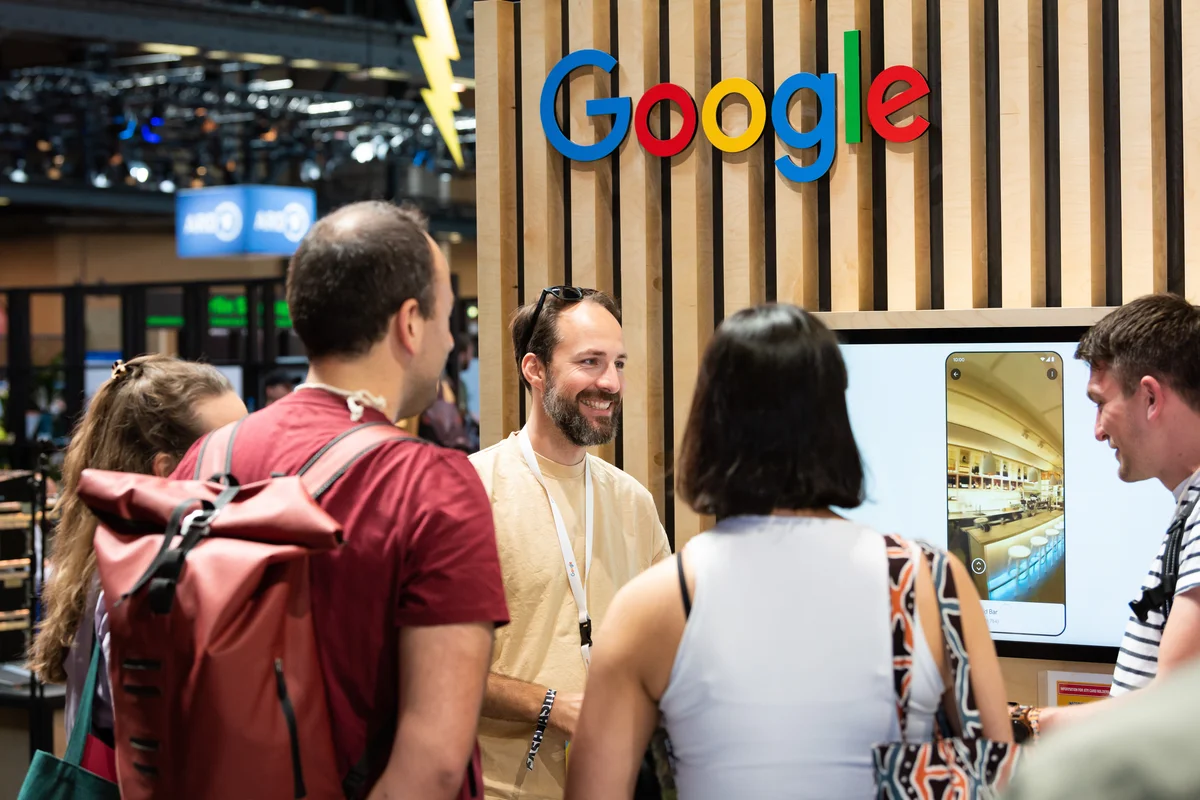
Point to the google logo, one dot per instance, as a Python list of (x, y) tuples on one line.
[(822, 134)]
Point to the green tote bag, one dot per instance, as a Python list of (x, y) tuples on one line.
[(50, 778)]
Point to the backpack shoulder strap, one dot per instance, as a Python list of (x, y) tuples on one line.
[(1162, 597), (331, 461), (216, 453)]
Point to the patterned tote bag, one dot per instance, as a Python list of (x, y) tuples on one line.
[(963, 767)]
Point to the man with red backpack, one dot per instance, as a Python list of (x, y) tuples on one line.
[(404, 608)]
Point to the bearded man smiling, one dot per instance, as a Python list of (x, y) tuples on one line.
[(571, 530)]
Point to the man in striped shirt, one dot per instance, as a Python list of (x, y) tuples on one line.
[(1145, 382)]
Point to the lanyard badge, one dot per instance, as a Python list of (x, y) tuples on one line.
[(578, 587)]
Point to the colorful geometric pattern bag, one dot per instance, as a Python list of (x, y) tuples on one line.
[(963, 767)]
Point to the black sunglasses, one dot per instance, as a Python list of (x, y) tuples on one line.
[(569, 294)]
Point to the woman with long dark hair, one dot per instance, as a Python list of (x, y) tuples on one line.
[(767, 644)]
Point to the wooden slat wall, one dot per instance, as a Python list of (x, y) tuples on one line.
[(1191, 145), (1081, 150), (1143, 150), (964, 185), (645, 451), (1043, 178), (495, 112)]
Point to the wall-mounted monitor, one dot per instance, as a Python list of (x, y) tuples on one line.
[(982, 441)]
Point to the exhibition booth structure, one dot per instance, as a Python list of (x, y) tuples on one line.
[(959, 188)]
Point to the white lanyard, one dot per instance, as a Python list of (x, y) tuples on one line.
[(578, 587)]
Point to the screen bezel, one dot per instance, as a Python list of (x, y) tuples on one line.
[(1053, 651)]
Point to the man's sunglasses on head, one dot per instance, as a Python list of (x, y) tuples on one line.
[(568, 294)]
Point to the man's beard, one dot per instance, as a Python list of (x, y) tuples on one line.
[(578, 429)]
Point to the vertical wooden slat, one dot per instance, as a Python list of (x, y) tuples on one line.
[(850, 233), (591, 181), (1081, 150), (795, 27), (1191, 148), (691, 226), (495, 112), (908, 287), (964, 155), (1143, 150), (742, 173), (1022, 148), (641, 259), (541, 49)]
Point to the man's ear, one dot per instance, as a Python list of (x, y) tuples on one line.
[(408, 325), (1154, 391), (534, 371)]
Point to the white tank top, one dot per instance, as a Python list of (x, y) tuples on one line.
[(782, 682)]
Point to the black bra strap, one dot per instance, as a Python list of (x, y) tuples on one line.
[(687, 600)]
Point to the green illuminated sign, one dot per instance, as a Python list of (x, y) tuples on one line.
[(225, 311)]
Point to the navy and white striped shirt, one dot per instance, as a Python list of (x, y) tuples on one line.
[(1137, 662)]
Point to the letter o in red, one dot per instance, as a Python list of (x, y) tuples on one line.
[(665, 148)]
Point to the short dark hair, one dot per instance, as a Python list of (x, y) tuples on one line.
[(1157, 335), (545, 334), (353, 271), (769, 427)]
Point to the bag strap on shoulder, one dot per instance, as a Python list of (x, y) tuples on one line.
[(216, 453), (319, 473), (902, 570), (1161, 597), (955, 642), (903, 562), (333, 460)]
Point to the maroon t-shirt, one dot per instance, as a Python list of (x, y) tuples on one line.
[(420, 549)]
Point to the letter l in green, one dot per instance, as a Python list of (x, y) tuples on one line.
[(850, 44)]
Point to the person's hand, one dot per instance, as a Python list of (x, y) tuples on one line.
[(564, 716)]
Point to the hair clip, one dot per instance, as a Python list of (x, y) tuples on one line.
[(119, 369)]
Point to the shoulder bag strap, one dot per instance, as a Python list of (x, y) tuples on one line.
[(956, 648), (83, 716), (902, 571)]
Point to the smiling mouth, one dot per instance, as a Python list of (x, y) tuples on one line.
[(598, 405)]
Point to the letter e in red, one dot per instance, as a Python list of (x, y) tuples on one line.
[(878, 109)]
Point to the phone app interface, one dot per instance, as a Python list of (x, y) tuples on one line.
[(1005, 485)]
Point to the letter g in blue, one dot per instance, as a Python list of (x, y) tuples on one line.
[(620, 107)]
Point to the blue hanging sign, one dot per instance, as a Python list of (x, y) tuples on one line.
[(242, 220)]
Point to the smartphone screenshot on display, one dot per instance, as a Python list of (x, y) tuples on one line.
[(1005, 499), (983, 442)]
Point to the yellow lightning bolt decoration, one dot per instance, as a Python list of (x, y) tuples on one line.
[(436, 49)]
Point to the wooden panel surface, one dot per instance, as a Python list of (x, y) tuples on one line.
[(795, 31), (964, 154), (641, 260), (496, 127), (907, 170), (742, 173), (541, 49), (1143, 150), (691, 230), (851, 279), (591, 182), (1081, 150), (1022, 147), (1191, 148)]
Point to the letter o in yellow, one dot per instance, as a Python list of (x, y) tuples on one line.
[(758, 115)]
